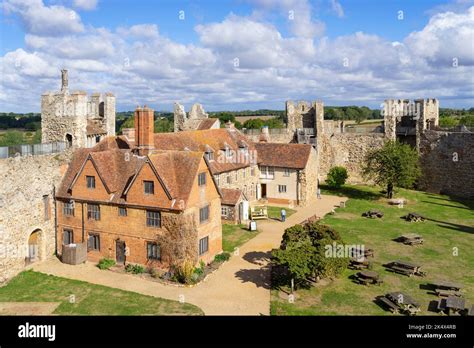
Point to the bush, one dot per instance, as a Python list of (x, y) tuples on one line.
[(106, 263), (134, 269), (225, 256), (184, 272), (337, 177)]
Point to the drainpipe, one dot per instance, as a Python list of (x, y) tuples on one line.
[(55, 221), (82, 210)]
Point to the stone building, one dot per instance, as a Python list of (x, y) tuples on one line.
[(140, 204), (196, 119), (288, 172), (74, 118)]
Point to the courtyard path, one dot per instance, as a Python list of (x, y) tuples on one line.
[(240, 286)]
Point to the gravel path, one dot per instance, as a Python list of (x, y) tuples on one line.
[(240, 286)]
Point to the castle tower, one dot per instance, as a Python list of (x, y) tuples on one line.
[(75, 119)]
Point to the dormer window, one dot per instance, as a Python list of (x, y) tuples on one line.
[(209, 154), (90, 182), (149, 187)]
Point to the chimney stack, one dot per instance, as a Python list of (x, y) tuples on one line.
[(144, 130)]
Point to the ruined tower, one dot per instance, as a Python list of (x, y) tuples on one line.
[(74, 118), (195, 119)]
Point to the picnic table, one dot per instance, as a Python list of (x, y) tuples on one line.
[(373, 214), (446, 285), (411, 239), (406, 268), (452, 305), (402, 301), (368, 277), (359, 264), (414, 217)]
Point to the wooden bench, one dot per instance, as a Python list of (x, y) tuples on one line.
[(391, 306), (402, 270), (447, 293)]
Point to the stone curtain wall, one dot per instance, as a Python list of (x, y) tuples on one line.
[(308, 179), (441, 172), (348, 150), (25, 183)]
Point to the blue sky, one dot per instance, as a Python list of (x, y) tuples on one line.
[(342, 52)]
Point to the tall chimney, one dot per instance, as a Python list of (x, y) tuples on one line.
[(64, 81), (144, 130)]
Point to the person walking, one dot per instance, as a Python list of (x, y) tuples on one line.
[(319, 193), (283, 215)]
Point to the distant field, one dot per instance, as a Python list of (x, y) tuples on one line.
[(242, 119)]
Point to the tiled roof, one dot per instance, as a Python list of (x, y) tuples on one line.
[(95, 127), (230, 196), (215, 139), (118, 167), (283, 155), (207, 123)]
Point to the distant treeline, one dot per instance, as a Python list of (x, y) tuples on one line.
[(353, 113), (30, 121)]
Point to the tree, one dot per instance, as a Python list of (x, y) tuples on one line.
[(337, 177), (11, 138), (394, 165), (254, 123), (164, 125)]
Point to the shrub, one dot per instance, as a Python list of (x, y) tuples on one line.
[(337, 177), (184, 272), (135, 269), (222, 257), (106, 263)]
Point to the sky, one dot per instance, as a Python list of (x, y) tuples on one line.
[(238, 54)]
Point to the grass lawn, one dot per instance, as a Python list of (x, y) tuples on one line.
[(234, 236), (90, 299), (448, 228), (275, 212)]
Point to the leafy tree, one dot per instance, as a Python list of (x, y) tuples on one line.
[(164, 125), (394, 165), (448, 121), (254, 123), (337, 177), (468, 120)]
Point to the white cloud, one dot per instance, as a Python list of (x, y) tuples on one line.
[(337, 8), (85, 4), (39, 19)]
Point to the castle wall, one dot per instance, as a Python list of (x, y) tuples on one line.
[(27, 205), (447, 161)]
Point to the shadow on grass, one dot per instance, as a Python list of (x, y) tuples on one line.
[(448, 205), (452, 226), (352, 192)]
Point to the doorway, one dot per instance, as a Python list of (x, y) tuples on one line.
[(264, 190), (120, 251), (69, 140), (33, 247)]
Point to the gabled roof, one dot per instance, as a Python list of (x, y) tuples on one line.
[(231, 196), (294, 156), (117, 168), (207, 123)]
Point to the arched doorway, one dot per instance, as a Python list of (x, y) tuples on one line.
[(68, 139), (34, 247)]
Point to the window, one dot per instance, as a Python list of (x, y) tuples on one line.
[(236, 175), (203, 245), (252, 172), (244, 172), (153, 218), (149, 187), (46, 207), (68, 236), (204, 214), (216, 177), (97, 139), (282, 188), (287, 172), (68, 208), (90, 182), (229, 179), (93, 243), (153, 251), (93, 212), (228, 151), (202, 179), (224, 211), (267, 172), (210, 155), (122, 211)]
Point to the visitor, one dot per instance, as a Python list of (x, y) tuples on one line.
[(283, 215)]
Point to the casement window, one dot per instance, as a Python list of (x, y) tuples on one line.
[(153, 218), (228, 151), (267, 172), (202, 179), (68, 236), (68, 208), (149, 187), (224, 211), (203, 245), (153, 251), (90, 182), (229, 179), (122, 211), (282, 188), (204, 214), (287, 172), (93, 211), (210, 155), (93, 242)]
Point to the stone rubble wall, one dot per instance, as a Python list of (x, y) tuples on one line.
[(447, 162), (25, 183)]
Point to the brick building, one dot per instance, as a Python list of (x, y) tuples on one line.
[(132, 203)]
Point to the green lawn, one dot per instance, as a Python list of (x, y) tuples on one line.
[(275, 212), (448, 228), (90, 299), (234, 236)]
